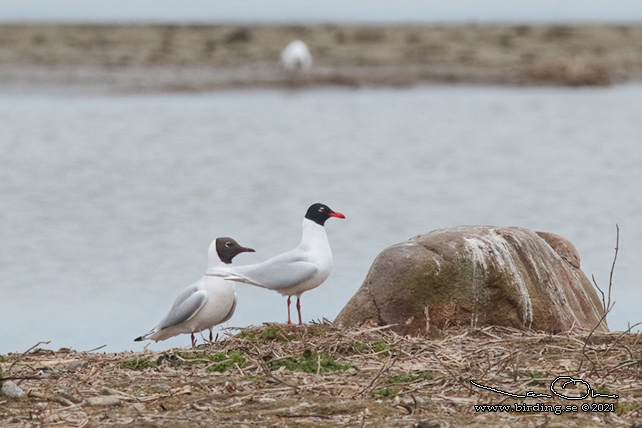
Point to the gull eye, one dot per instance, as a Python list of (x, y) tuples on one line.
[(228, 244)]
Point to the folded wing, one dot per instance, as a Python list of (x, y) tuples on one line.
[(276, 273), (187, 304)]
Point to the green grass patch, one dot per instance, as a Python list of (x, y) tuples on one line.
[(385, 393), (309, 362), (218, 362), (255, 378), (625, 407), (319, 329), (226, 361), (141, 363), (409, 377), (178, 358), (380, 347), (270, 333), (604, 390), (536, 377), (536, 374)]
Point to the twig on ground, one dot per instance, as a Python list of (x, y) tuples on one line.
[(21, 356), (95, 349), (384, 368), (601, 292), (608, 306), (583, 352), (271, 375), (617, 247)]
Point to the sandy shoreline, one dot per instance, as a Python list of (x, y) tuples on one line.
[(153, 58)]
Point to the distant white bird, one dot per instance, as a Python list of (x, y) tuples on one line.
[(296, 56), (208, 302), (294, 271)]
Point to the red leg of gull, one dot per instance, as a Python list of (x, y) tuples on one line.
[(298, 308), (289, 322), (211, 336), (193, 341)]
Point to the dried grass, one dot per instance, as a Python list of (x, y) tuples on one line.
[(381, 379)]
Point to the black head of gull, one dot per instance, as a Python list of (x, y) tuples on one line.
[(319, 213), (227, 249)]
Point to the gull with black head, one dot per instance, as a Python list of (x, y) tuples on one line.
[(297, 270), (204, 304)]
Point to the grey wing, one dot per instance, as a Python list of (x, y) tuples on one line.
[(230, 313), (276, 273), (187, 304)]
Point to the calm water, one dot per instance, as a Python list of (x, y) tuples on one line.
[(109, 203)]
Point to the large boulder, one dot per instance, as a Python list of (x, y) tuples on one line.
[(477, 276)]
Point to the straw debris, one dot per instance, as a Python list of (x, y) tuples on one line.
[(320, 375)]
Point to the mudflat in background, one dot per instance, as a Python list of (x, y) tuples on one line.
[(158, 57)]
